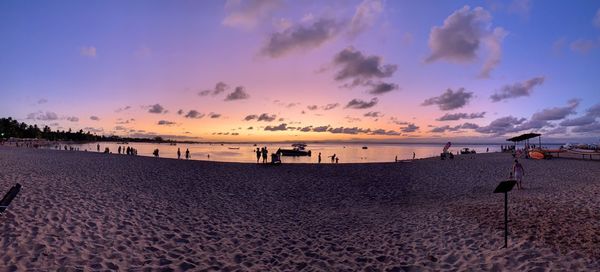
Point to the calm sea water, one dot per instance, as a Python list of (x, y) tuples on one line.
[(346, 152)]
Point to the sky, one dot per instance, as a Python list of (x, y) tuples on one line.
[(276, 70)]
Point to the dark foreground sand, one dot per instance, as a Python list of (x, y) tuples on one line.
[(89, 211)]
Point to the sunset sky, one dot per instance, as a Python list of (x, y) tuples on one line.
[(303, 70)]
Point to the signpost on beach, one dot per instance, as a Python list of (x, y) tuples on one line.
[(505, 187)]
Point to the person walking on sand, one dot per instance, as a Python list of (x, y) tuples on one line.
[(98, 147), (258, 153), (319, 157), (414, 155), (187, 153), (519, 172), (178, 153)]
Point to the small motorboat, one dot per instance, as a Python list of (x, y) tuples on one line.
[(297, 150), (235, 148)]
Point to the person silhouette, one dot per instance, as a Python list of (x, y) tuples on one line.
[(119, 149), (337, 159), (187, 154), (178, 153), (333, 158), (414, 154), (98, 147), (519, 172), (258, 154), (319, 157), (265, 152)]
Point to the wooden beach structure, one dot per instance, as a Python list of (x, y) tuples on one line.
[(525, 138)]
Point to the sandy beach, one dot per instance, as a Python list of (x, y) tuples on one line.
[(90, 211)]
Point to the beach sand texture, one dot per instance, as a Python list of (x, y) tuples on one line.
[(91, 211)]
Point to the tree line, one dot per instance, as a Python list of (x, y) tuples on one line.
[(12, 128)]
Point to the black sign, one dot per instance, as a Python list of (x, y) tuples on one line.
[(505, 186)]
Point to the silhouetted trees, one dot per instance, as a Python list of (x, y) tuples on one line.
[(12, 128)]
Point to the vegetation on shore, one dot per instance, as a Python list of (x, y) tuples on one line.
[(11, 128)]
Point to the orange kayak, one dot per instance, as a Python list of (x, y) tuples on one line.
[(537, 155)]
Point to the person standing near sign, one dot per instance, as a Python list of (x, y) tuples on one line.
[(519, 172)]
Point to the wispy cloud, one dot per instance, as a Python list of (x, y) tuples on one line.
[(518, 89), (248, 14), (361, 104), (88, 51), (461, 36)]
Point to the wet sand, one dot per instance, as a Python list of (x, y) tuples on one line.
[(91, 211)]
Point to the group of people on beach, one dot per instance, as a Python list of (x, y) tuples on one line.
[(121, 150), (334, 158), (263, 153), (187, 154)]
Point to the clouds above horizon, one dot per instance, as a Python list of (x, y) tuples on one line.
[(450, 99), (301, 37), (361, 104), (239, 94), (310, 32), (462, 35), (247, 14), (358, 69), (220, 87), (364, 16), (518, 89), (458, 116), (156, 108), (193, 114), (340, 130), (262, 117), (43, 116)]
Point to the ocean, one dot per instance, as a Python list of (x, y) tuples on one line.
[(346, 152)]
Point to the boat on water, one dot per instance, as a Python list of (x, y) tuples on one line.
[(364, 147), (297, 150), (235, 148)]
